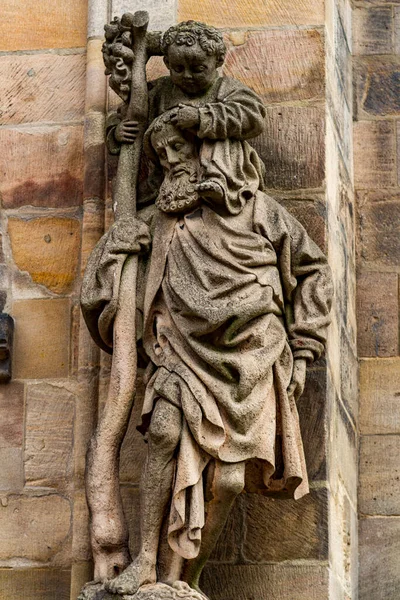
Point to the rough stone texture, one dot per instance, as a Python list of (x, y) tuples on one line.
[(380, 396), (11, 415), (52, 166), (239, 13), (343, 452), (11, 468), (372, 30), (377, 309), (300, 526), (343, 545), (35, 584), (41, 343), (275, 582), (162, 13), (27, 530), (379, 558), (47, 24), (41, 87), (312, 215), (292, 147), (371, 78), (379, 486), (280, 65), (379, 233), (131, 504), (49, 435), (374, 154), (48, 249), (134, 448)]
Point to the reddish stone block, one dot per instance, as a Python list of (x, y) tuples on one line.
[(379, 233), (279, 65), (374, 154), (378, 314)]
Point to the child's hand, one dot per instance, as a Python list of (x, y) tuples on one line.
[(298, 381), (186, 117), (126, 132)]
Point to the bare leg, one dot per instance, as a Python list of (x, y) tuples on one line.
[(228, 483), (156, 486)]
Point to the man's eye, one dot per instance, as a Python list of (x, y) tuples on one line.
[(177, 147)]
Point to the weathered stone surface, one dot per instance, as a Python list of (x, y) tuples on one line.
[(162, 14), (343, 452), (377, 309), (374, 154), (41, 343), (280, 65), (41, 87), (379, 558), (48, 249), (277, 530), (373, 30), (379, 233), (343, 545), (131, 504), (11, 415), (48, 24), (239, 13), (11, 469), (29, 532), (134, 448), (349, 374), (312, 215), (379, 487), (35, 584), (275, 582), (52, 159), (48, 435), (372, 76), (292, 147), (380, 396)]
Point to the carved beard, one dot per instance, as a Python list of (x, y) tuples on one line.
[(177, 191)]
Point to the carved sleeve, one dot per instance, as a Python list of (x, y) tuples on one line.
[(239, 114), (305, 277)]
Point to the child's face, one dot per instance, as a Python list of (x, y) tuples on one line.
[(191, 69)]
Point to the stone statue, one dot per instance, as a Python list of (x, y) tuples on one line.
[(232, 300)]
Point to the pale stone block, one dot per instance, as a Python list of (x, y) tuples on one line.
[(52, 159), (11, 415), (11, 469), (48, 435), (379, 240), (379, 487), (42, 87), (35, 584), (41, 343), (34, 528), (162, 12), (242, 13), (81, 549), (97, 17), (44, 24), (380, 396), (48, 249)]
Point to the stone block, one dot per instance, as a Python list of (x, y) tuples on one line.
[(131, 504), (379, 233), (81, 548), (372, 30), (41, 342), (377, 309), (293, 147), (343, 452), (35, 584), (229, 546), (48, 249), (312, 408), (11, 469), (11, 415), (48, 24), (371, 77), (379, 486), (34, 528), (380, 396), (48, 435), (252, 13), (343, 545), (162, 14), (280, 66), (349, 375), (41, 166), (281, 530), (312, 215), (258, 582), (42, 87), (374, 154), (379, 558)]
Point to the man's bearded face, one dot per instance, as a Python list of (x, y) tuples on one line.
[(178, 156)]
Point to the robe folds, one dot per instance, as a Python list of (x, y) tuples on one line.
[(227, 303)]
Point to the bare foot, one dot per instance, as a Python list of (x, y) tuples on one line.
[(139, 573), (109, 562), (210, 190)]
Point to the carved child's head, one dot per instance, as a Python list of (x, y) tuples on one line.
[(193, 52)]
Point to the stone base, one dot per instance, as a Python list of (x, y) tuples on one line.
[(158, 591)]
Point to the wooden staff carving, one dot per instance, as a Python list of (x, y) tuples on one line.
[(109, 535)]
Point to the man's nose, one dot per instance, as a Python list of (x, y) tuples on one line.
[(172, 156)]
